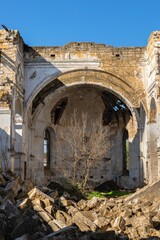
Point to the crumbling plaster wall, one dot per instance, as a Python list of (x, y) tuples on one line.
[(86, 99), (117, 69), (11, 87), (130, 73), (44, 64)]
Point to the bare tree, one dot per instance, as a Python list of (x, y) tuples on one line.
[(86, 142)]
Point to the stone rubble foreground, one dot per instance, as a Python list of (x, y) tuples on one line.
[(29, 213)]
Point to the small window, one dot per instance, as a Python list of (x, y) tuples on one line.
[(52, 55), (125, 153), (46, 161)]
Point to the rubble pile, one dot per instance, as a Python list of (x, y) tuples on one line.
[(29, 213)]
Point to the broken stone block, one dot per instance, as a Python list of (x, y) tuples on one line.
[(7, 177), (63, 216), (91, 215), (27, 224), (111, 203), (10, 196), (132, 233), (27, 185), (41, 212), (39, 202), (83, 223), (143, 231), (47, 202), (126, 213), (82, 204), (2, 180), (119, 223), (65, 202), (25, 203), (44, 216), (72, 210), (33, 193), (156, 220), (92, 203), (53, 225), (60, 216), (102, 222), (60, 223), (13, 187), (50, 210), (9, 209), (36, 193)]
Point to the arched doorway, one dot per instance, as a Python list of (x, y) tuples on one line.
[(54, 106), (97, 103)]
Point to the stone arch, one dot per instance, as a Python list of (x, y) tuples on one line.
[(127, 90), (114, 84), (46, 99)]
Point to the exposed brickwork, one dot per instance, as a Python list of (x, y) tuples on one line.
[(34, 79)]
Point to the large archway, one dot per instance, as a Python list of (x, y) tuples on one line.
[(100, 96), (130, 92)]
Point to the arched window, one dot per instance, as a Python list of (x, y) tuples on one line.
[(125, 153), (47, 140)]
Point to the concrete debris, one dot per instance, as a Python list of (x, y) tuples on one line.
[(38, 216)]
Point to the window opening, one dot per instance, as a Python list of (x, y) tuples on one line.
[(25, 170), (125, 153), (47, 138)]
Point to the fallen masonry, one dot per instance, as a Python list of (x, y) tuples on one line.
[(29, 213)]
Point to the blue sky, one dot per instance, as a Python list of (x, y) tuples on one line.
[(57, 22)]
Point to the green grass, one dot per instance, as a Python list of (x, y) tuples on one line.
[(111, 194)]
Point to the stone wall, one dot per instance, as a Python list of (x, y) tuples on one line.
[(34, 79)]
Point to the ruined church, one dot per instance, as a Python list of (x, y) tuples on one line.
[(41, 87)]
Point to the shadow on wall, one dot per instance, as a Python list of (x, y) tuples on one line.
[(41, 89), (4, 150)]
